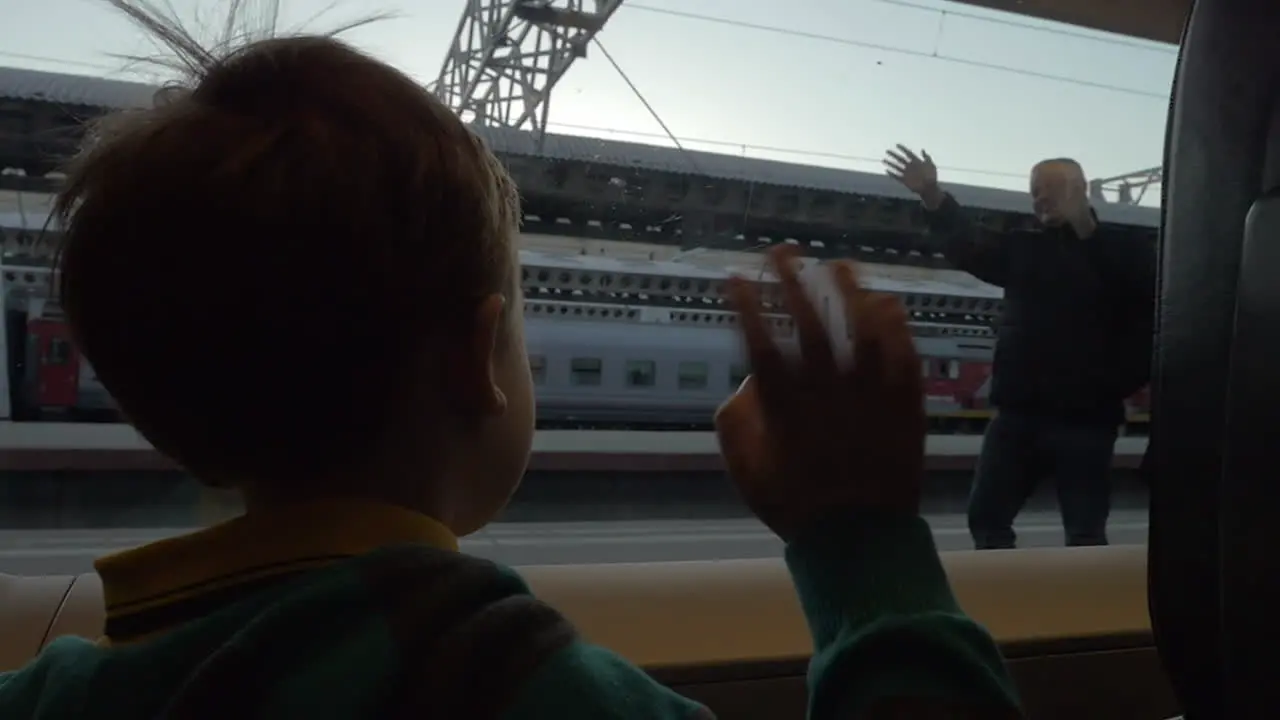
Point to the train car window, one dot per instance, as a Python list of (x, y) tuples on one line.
[(58, 352), (692, 375), (586, 371), (940, 369), (737, 375), (538, 368), (641, 373)]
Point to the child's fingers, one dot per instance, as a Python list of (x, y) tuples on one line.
[(763, 354), (739, 427), (815, 345)]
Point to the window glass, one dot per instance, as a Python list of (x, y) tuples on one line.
[(692, 375), (699, 161), (538, 368), (585, 371), (641, 373), (59, 352), (945, 369)]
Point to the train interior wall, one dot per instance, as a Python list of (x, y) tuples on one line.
[(167, 499), (776, 690)]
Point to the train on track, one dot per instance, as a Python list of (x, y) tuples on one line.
[(595, 373), (621, 334), (613, 344)]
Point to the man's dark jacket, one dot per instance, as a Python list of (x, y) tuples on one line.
[(1075, 338)]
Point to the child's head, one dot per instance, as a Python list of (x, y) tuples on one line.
[(299, 276)]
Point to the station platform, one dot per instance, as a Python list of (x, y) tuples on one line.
[(97, 447)]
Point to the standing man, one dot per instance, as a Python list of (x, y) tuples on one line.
[(1074, 342)]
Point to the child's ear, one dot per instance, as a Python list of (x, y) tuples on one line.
[(473, 374)]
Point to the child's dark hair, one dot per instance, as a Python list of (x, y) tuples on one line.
[(259, 266)]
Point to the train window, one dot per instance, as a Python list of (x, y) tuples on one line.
[(58, 352), (942, 369), (586, 371), (926, 369), (692, 375), (737, 376), (538, 367), (641, 373)]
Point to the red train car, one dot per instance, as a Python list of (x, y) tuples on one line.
[(50, 379)]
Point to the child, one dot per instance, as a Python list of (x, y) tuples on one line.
[(355, 368)]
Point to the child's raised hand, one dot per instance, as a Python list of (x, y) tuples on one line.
[(804, 437)]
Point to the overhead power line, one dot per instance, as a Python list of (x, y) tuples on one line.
[(771, 148), (730, 22), (806, 35), (1146, 46)]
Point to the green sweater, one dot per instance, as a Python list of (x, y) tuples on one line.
[(416, 632)]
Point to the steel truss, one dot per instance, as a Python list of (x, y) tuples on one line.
[(1127, 189), (508, 55)]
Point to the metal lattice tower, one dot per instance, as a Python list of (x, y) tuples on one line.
[(1129, 188), (508, 55)]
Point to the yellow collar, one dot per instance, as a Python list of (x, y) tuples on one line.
[(247, 551)]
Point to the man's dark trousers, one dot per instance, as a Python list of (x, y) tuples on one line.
[(1018, 451)]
